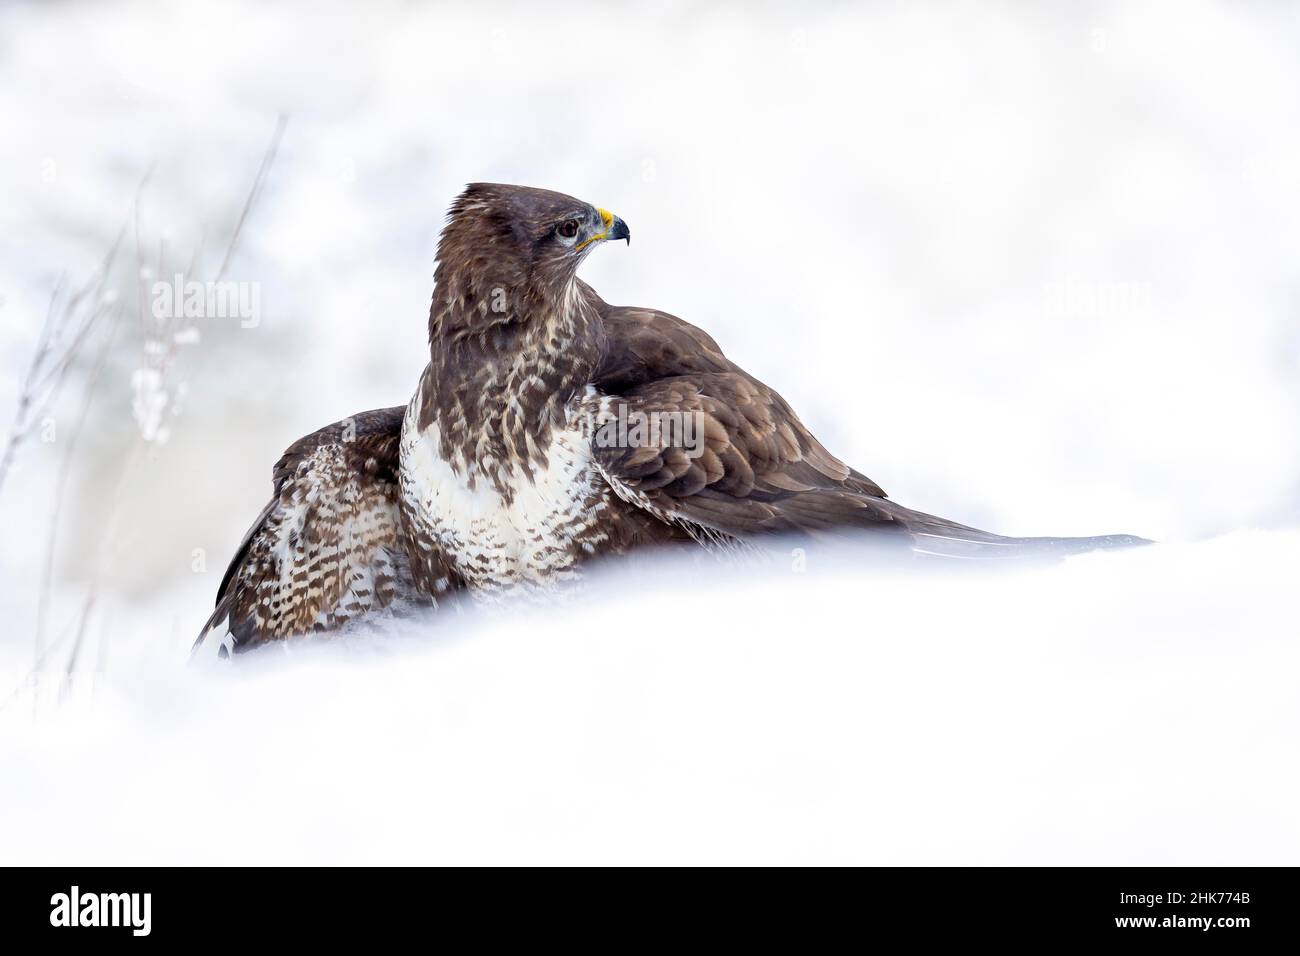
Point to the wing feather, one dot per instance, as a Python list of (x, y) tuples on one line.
[(752, 466), (757, 468), (328, 547)]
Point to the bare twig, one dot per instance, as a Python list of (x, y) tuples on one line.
[(55, 353), (61, 482), (87, 606), (22, 423), (267, 159)]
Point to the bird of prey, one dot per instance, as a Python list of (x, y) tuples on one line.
[(548, 429)]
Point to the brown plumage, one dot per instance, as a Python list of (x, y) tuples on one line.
[(512, 465), (328, 547)]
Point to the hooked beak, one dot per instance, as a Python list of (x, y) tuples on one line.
[(615, 228)]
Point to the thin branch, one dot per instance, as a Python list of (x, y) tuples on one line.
[(55, 353), (61, 481), (86, 607), (18, 431), (267, 159)]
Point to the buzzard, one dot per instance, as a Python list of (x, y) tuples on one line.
[(549, 428)]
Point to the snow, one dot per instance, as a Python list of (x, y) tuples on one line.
[(1117, 709), (1030, 269)]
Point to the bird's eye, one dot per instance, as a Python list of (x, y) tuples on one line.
[(568, 229)]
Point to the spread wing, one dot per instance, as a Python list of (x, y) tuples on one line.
[(327, 548), (740, 462)]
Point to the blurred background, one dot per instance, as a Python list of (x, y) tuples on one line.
[(1035, 268)]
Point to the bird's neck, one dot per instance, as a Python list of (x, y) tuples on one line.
[(500, 380)]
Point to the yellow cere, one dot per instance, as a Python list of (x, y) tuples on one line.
[(607, 218)]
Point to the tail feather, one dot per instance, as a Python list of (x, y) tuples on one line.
[(939, 537)]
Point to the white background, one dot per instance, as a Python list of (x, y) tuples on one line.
[(1032, 268)]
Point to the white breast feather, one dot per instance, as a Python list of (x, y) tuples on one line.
[(526, 540)]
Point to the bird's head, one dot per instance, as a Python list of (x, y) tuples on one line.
[(514, 237)]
